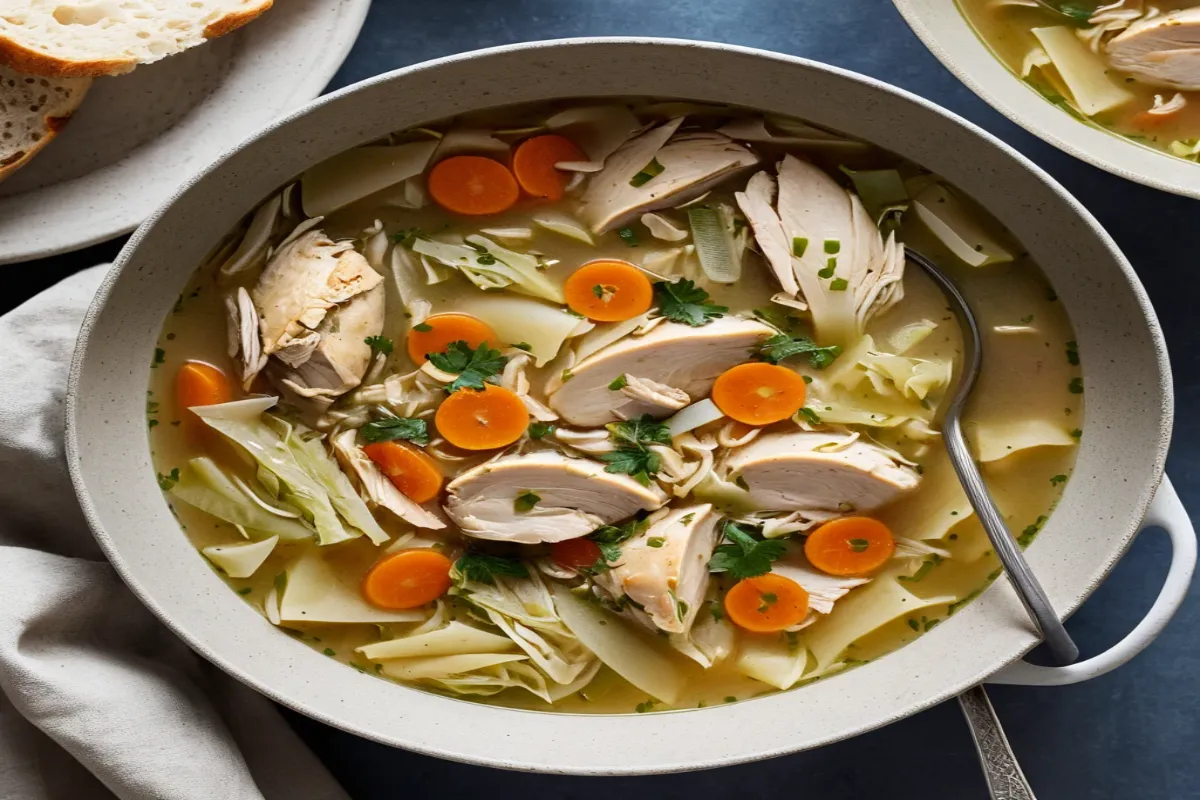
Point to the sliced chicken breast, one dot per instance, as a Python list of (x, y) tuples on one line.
[(574, 496), (691, 164), (819, 471), (1163, 50), (664, 569), (823, 590), (379, 490), (671, 362)]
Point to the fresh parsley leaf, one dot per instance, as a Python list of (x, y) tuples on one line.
[(716, 609), (642, 430), (422, 327), (385, 430), (618, 383), (406, 237), (833, 246), (1057, 479), (683, 301), (642, 708), (777, 318), (1031, 531), (525, 501), (810, 416), (539, 429), (839, 285), (858, 545), (828, 270), (647, 173), (799, 245), (526, 346), (768, 599), (1075, 386), (160, 356), (782, 346), (165, 482), (638, 463), (472, 366), (1073, 354), (481, 568), (745, 556), (655, 541), (628, 236), (380, 344), (1077, 433), (686, 519)]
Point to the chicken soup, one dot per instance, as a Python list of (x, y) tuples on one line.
[(610, 407)]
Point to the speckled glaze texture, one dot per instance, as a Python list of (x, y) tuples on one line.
[(944, 30), (137, 137), (1119, 465)]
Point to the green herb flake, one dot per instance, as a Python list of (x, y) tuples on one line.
[(166, 482), (745, 556), (160, 356), (833, 246), (716, 609), (380, 344), (422, 327), (828, 270), (245, 590), (642, 708), (406, 237), (838, 285), (1058, 479), (537, 430), (385, 430), (858, 545), (767, 599), (655, 541), (628, 236), (682, 301), (810, 416), (473, 367), (526, 346), (566, 375), (730, 699), (686, 519), (1027, 535), (799, 245), (1027, 319), (525, 501), (1073, 354), (482, 568), (912, 623), (1077, 433), (1075, 386), (782, 346), (647, 173), (618, 383), (329, 651)]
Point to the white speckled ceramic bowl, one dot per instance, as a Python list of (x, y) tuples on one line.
[(1119, 466), (946, 32)]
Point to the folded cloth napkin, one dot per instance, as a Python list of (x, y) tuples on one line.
[(97, 698)]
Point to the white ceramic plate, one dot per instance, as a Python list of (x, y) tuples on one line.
[(138, 137), (948, 35)]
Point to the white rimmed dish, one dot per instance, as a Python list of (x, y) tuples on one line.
[(137, 137), (941, 25), (1118, 472)]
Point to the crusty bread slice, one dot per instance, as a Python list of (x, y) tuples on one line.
[(33, 109), (87, 38)]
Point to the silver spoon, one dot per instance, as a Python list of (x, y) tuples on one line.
[(1033, 597)]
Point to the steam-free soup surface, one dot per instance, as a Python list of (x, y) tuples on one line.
[(606, 408), (1130, 67)]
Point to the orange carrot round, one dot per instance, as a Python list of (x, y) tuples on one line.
[(575, 553), (758, 393), (482, 419), (533, 164), (473, 185), (436, 333), (409, 469), (608, 290), (850, 546), (408, 579), (201, 384), (767, 603)]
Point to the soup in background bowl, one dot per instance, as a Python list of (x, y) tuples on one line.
[(1081, 288)]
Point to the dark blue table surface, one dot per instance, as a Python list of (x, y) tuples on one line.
[(1134, 733)]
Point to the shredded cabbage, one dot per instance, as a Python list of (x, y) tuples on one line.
[(202, 484)]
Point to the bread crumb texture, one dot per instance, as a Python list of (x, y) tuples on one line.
[(105, 37), (32, 110)]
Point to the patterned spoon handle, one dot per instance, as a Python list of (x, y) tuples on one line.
[(1000, 768)]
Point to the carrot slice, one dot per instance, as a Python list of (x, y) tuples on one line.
[(767, 603), (407, 579), (409, 469), (534, 161), (200, 384), (436, 333), (575, 553), (758, 394), (608, 291), (473, 185), (482, 419), (850, 546)]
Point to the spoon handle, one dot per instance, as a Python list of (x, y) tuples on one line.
[(1000, 768), (1062, 648)]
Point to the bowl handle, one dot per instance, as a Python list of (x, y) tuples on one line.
[(1166, 512)]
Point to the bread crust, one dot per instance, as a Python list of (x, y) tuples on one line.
[(54, 126), (34, 62)]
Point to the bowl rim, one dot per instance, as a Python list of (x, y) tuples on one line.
[(955, 48), (1005, 605)]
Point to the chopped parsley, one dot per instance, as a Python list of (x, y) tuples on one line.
[(1075, 386), (1073, 353), (1031, 531), (166, 482), (407, 236), (526, 346), (686, 519), (385, 430), (833, 246), (472, 366), (1057, 479), (380, 344), (566, 375), (829, 268), (525, 501), (423, 327), (329, 651), (655, 541), (1027, 319), (810, 416), (628, 236), (618, 383), (745, 556), (768, 599), (244, 590), (1077, 433), (481, 568), (922, 570), (858, 545), (539, 429), (642, 708), (781, 346), (799, 245), (716, 609), (609, 539), (160, 356), (647, 173), (838, 285), (682, 301)]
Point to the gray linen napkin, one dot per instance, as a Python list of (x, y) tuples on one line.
[(97, 698)]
